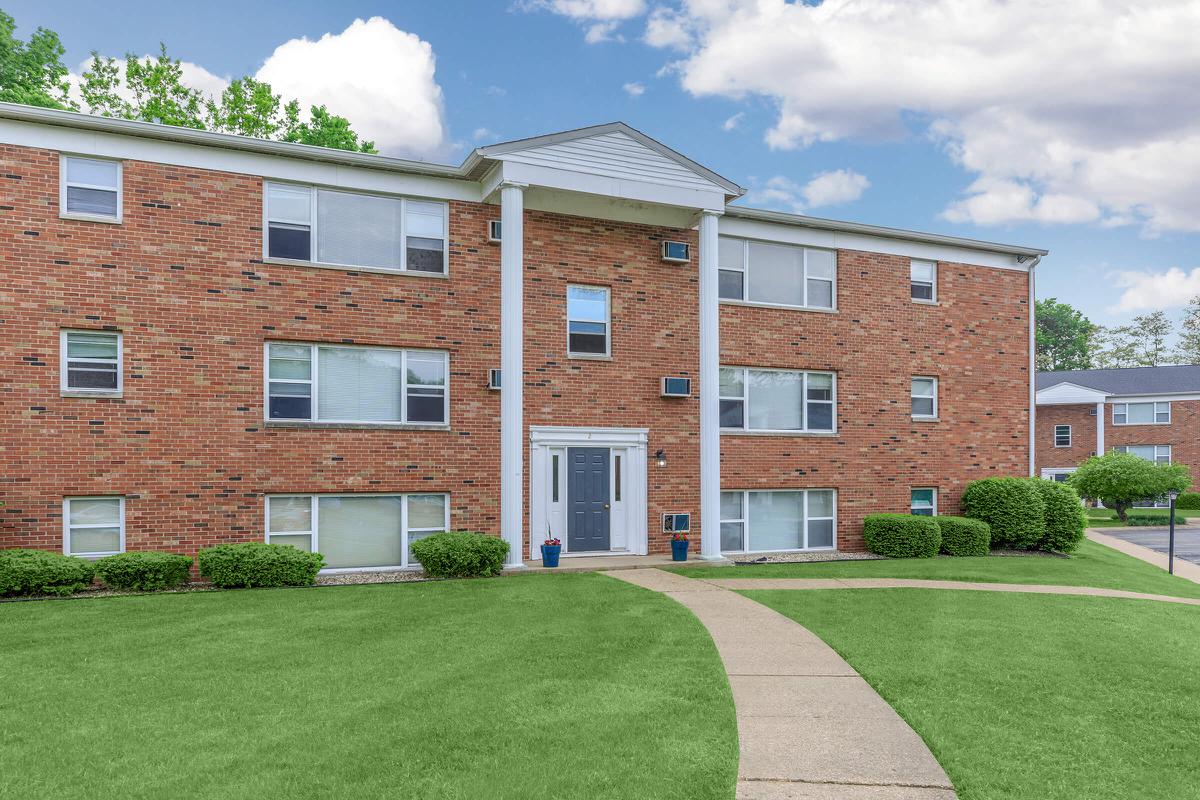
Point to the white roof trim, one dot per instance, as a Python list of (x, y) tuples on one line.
[(1066, 393)]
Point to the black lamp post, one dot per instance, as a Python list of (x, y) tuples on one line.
[(1171, 495)]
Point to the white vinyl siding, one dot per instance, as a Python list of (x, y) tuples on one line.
[(357, 531), (351, 229), (368, 385), (90, 189), (775, 400), (922, 279), (923, 502), (90, 362), (1062, 435), (93, 526), (778, 520), (1141, 413), (923, 395), (777, 274)]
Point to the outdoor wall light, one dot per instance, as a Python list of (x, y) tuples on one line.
[(661, 458)]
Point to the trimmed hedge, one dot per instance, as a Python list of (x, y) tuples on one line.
[(147, 571), (902, 535), (43, 572), (1148, 520), (1012, 507), (1189, 501), (963, 536), (1064, 516), (460, 554), (258, 564)]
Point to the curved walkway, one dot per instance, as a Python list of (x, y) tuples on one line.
[(809, 726), (744, 584)]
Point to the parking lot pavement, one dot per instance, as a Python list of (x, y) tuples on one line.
[(1187, 540)]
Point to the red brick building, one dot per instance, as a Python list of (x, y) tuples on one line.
[(208, 338), (1153, 412)]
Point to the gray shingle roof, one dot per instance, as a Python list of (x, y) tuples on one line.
[(1129, 380)]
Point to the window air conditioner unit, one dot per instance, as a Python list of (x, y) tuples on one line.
[(676, 387), (494, 379), (676, 252), (494, 230), (677, 523)]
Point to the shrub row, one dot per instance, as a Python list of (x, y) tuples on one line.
[(1144, 520), (909, 536), (460, 555), (1027, 513), (1189, 501), (24, 572)]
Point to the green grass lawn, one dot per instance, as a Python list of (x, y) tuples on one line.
[(1091, 565), (1107, 518), (563, 686), (1028, 697)]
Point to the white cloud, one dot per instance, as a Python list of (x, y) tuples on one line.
[(1064, 112), (1155, 290), (823, 189), (634, 89), (601, 17), (732, 123), (379, 77)]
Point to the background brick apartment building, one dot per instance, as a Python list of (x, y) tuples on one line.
[(208, 338)]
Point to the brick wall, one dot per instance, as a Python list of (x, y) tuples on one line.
[(182, 278)]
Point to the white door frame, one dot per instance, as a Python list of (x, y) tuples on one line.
[(630, 440)]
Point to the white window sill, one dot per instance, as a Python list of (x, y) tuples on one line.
[(756, 304), (587, 357), (90, 218), (405, 426), (925, 302), (352, 570), (776, 552), (94, 556), (84, 394), (816, 434), (926, 419), (1062, 447), (409, 273), (1137, 424)]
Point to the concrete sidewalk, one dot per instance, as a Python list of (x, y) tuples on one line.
[(809, 726), (1183, 568)]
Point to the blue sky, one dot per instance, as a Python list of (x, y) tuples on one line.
[(768, 102)]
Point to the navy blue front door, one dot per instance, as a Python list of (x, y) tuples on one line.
[(587, 499)]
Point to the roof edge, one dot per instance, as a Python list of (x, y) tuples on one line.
[(819, 223)]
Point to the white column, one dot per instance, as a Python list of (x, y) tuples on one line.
[(710, 404), (512, 371), (1100, 428)]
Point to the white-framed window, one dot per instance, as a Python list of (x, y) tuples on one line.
[(924, 397), (1158, 453), (774, 520), (356, 531), (1062, 435), (778, 400), (588, 321), (922, 277), (93, 526), (90, 362), (1158, 413), (776, 274), (90, 189), (351, 229), (350, 384), (923, 502)]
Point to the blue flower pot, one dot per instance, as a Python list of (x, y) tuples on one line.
[(679, 550), (550, 553)]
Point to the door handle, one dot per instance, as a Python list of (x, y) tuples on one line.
[(606, 506)]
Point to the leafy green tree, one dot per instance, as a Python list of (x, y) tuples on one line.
[(327, 130), (1118, 480), (1115, 347), (1064, 336), (1187, 348), (1152, 331), (152, 90), (32, 72), (249, 107)]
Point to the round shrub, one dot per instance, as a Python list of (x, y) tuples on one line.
[(1189, 501), (258, 564), (43, 572), (1012, 507), (460, 555), (1064, 517), (148, 571), (963, 536), (902, 535)]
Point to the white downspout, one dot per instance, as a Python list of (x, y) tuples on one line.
[(1033, 368)]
